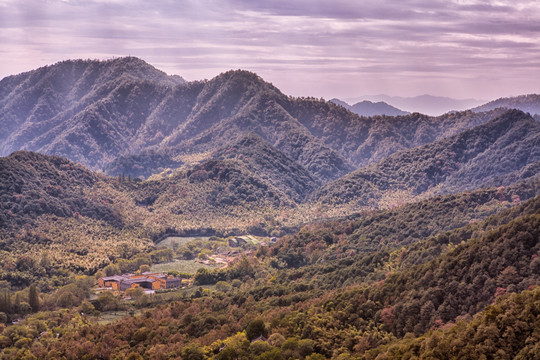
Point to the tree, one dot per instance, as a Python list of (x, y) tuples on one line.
[(192, 352), (5, 302), (144, 268), (135, 293), (33, 298), (255, 329), (112, 269)]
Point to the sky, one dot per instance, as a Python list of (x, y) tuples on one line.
[(455, 48)]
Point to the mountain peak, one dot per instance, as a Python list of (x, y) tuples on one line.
[(97, 70), (242, 78)]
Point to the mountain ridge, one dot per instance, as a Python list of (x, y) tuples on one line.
[(369, 108), (527, 103), (444, 165), (427, 104), (138, 111)]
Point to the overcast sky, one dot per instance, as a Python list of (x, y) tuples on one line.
[(456, 48)]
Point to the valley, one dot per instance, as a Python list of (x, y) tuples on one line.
[(301, 229)]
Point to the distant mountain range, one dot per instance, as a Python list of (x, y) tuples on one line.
[(436, 105), (368, 108), (526, 103), (425, 104), (125, 116)]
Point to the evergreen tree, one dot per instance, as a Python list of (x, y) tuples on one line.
[(5, 302), (33, 298)]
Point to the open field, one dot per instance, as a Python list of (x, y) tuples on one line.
[(111, 316), (179, 240), (183, 266)]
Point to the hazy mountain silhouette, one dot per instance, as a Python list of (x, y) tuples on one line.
[(368, 108), (425, 104), (526, 103)]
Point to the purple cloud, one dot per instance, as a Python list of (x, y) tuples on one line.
[(342, 48)]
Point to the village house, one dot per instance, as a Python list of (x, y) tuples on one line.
[(146, 280)]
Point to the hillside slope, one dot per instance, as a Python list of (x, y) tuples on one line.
[(385, 230), (81, 220), (303, 321), (125, 116), (270, 164), (52, 212), (493, 153)]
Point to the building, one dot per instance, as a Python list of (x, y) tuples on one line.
[(113, 281), (146, 280)]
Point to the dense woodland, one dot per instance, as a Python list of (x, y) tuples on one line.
[(487, 154), (386, 237), (300, 319)]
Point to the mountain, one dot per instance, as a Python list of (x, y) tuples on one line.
[(126, 117), (383, 231), (526, 103), (93, 112), (272, 165), (82, 219), (52, 210), (425, 104), (490, 154), (368, 108), (471, 335), (88, 111), (238, 102)]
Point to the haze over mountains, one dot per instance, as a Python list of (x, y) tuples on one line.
[(368, 108), (425, 104)]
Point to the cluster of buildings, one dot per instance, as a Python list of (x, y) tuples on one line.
[(146, 280)]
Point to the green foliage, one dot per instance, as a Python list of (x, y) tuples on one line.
[(506, 329), (370, 238), (240, 269), (483, 155), (255, 329), (192, 352), (33, 298)]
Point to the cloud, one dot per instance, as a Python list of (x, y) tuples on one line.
[(452, 41)]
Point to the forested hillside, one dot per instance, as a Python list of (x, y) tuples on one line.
[(80, 221), (506, 329), (299, 319), (125, 116), (53, 219), (500, 152), (386, 230)]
